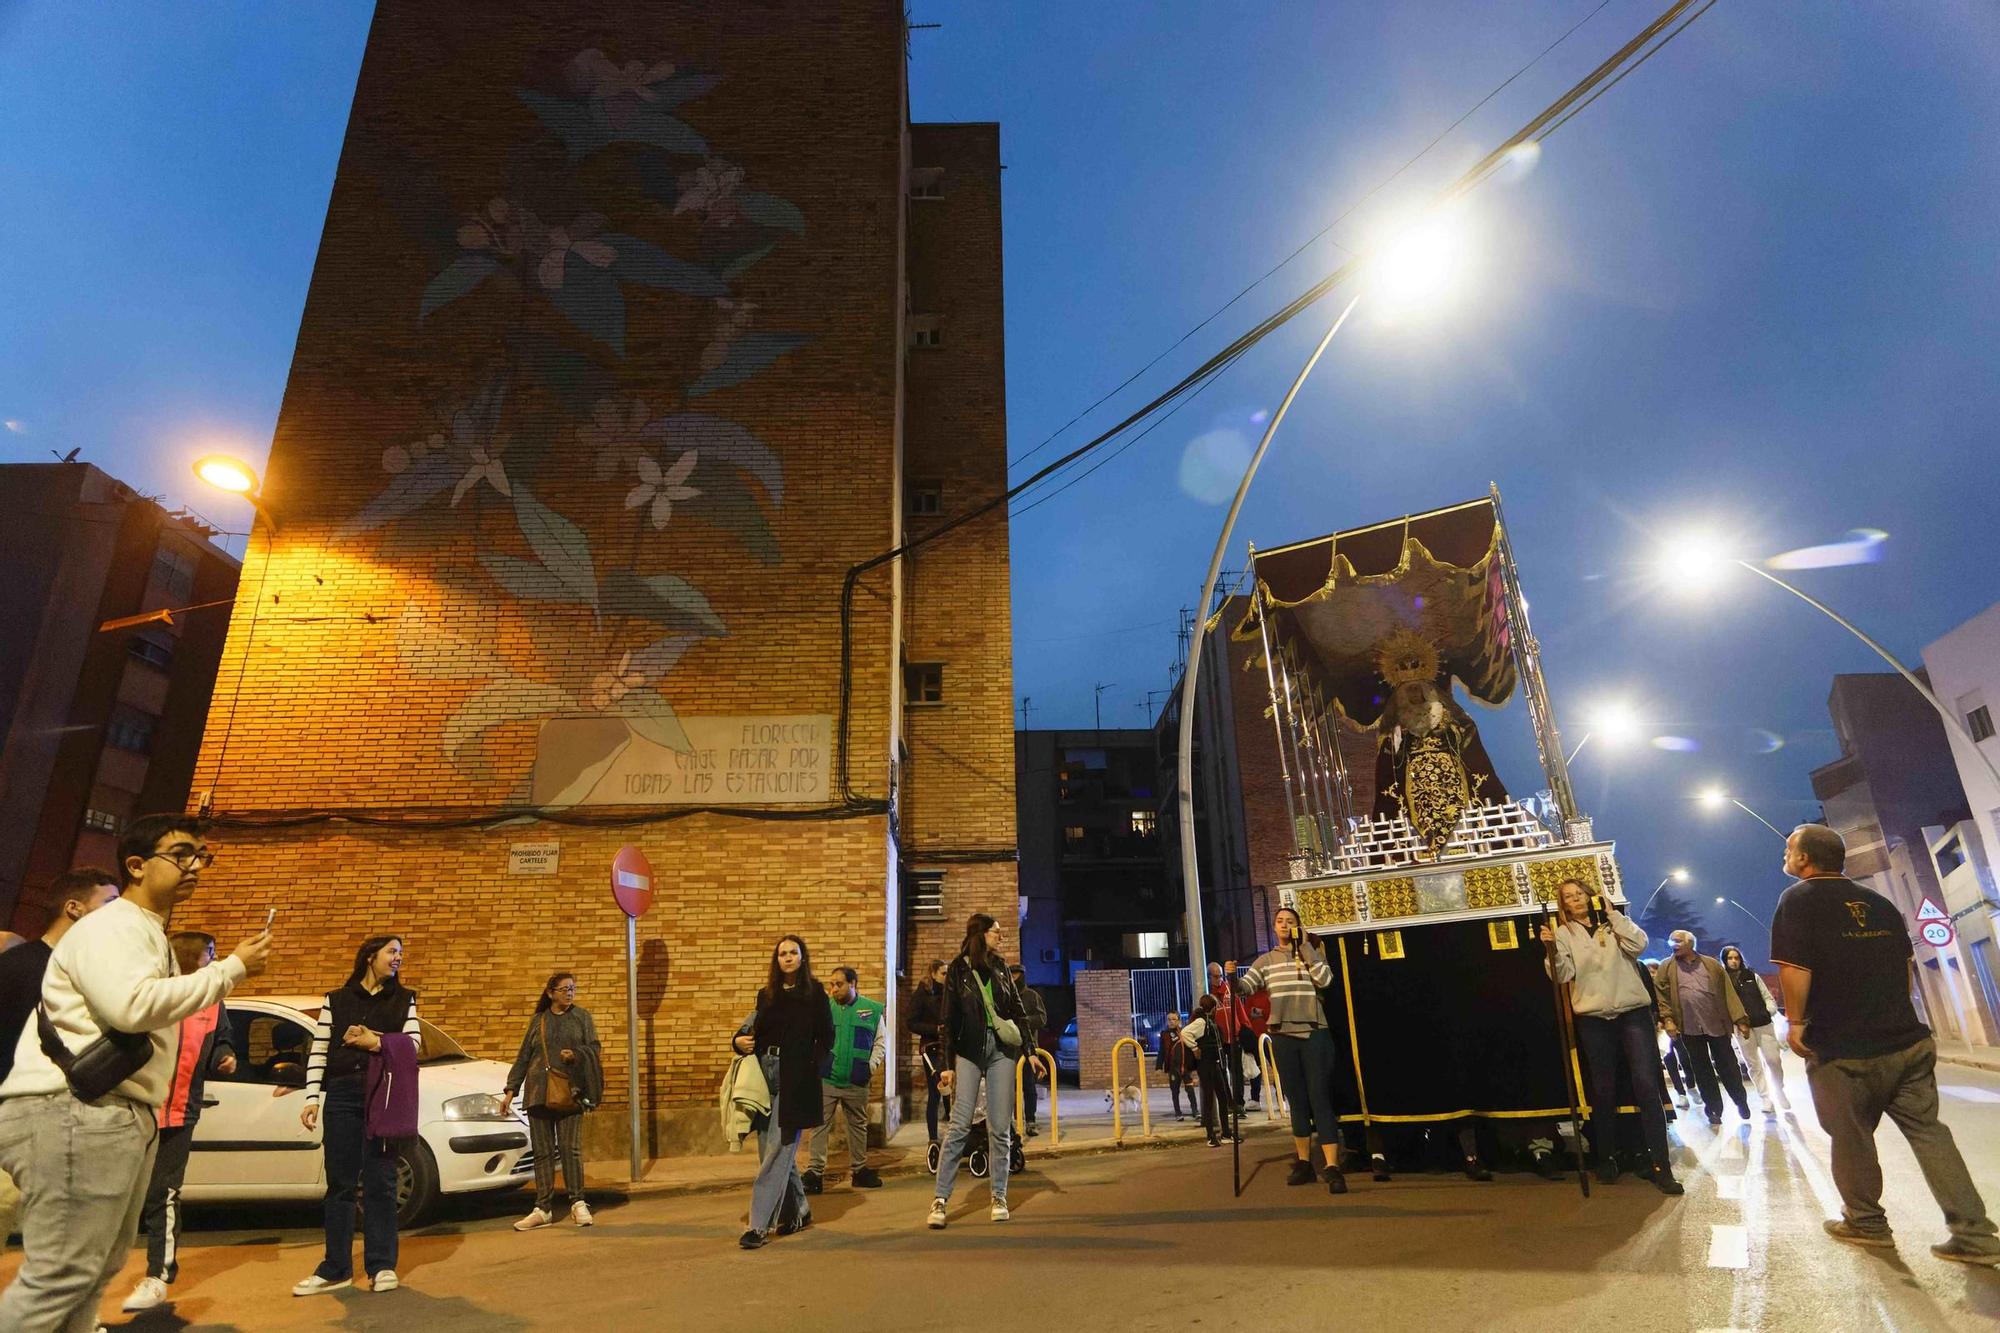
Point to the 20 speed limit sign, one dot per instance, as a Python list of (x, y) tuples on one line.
[(1933, 925)]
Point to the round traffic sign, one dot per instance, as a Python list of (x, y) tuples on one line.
[(632, 881), (1937, 934)]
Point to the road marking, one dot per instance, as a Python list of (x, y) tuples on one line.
[(1728, 1247), (1729, 1187), (1968, 1094)]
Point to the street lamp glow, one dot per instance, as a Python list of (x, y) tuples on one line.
[(1693, 561), (1422, 264), (1712, 798), (1679, 875), (1616, 720), (227, 474), (1720, 901)]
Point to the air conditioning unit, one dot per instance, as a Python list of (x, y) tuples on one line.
[(1051, 955)]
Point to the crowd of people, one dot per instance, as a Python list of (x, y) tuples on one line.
[(109, 1024)]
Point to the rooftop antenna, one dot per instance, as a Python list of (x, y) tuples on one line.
[(1100, 689), (1027, 706)]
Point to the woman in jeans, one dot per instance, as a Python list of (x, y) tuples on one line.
[(1292, 975), (1614, 1025), (561, 1039), (1760, 1048), (926, 1012), (790, 1032), (984, 1029), (371, 1003)]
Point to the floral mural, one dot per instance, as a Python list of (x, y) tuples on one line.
[(615, 227)]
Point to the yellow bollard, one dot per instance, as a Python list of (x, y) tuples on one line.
[(1145, 1102), (1274, 1091), (1047, 1065)]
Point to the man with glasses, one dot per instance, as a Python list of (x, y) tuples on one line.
[(82, 1167)]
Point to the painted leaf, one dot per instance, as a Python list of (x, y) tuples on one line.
[(571, 756), (683, 88), (410, 490), (660, 656), (747, 355), (664, 598), (727, 503), (572, 376), (461, 276), (743, 263), (714, 438), (589, 298), (527, 580), (645, 263), (569, 121), (767, 210), (510, 699), (427, 651), (660, 130), (652, 718), (561, 545)]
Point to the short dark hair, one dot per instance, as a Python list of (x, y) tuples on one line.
[(853, 977), (1017, 970), (79, 886), (142, 836), (189, 946), (1823, 847)]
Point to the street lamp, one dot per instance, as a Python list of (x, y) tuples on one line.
[(1746, 911), (1714, 798), (236, 477), (1678, 875), (1615, 720), (1698, 561)]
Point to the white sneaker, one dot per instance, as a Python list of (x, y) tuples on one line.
[(998, 1212), (537, 1217), (150, 1294), (316, 1284), (579, 1213), (386, 1280), (937, 1218)]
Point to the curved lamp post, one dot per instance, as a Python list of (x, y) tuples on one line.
[(1746, 911), (1714, 798), (1678, 875)]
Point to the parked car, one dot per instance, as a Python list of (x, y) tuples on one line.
[(250, 1145), (1066, 1057)]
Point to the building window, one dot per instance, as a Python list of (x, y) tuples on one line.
[(1980, 723), (926, 331), (130, 729), (924, 499), (173, 570), (1073, 837), (926, 182), (923, 683), (102, 820), (1146, 821), (152, 648)]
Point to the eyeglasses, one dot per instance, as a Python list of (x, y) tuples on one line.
[(187, 858), (570, 989)]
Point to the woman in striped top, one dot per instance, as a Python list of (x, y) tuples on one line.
[(373, 1001), (1292, 975)]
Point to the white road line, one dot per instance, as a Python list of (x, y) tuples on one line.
[(1728, 1247), (1729, 1187)]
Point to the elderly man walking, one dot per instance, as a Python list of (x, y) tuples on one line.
[(1844, 960), (1698, 1005)]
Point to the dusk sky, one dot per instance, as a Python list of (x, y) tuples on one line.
[(1752, 289)]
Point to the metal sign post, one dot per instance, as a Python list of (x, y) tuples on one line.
[(632, 890)]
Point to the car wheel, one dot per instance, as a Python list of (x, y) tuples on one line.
[(416, 1184)]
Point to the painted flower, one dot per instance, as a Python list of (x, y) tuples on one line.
[(500, 229), (486, 467), (732, 318), (615, 436), (398, 457), (575, 239), (600, 76), (663, 487), (710, 190), (608, 687)]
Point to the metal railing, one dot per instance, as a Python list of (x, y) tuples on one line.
[(1274, 1091), (1044, 1062), (1117, 1090)]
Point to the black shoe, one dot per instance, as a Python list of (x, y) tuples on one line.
[(1543, 1164), (1380, 1166), (1608, 1174), (1743, 1110), (1664, 1182), (794, 1228), (1302, 1172), (1214, 1142), (864, 1178), (1474, 1171), (814, 1183), (1714, 1119), (1336, 1183), (751, 1240)]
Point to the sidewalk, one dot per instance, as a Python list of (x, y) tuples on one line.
[(1085, 1127), (1973, 1057)]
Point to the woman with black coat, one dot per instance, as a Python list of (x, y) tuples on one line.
[(791, 1033), (984, 1029), (926, 1012), (558, 1075)]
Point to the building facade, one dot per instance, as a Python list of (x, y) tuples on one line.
[(639, 335), (98, 726), (1964, 671)]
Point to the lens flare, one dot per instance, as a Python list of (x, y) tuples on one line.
[(1677, 744), (1213, 463), (1861, 546)]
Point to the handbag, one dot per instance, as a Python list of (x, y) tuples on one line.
[(1006, 1029), (560, 1093), (99, 1067)]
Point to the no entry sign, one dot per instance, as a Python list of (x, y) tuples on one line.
[(632, 881), (1934, 925)]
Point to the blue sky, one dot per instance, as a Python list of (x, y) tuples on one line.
[(1753, 287)]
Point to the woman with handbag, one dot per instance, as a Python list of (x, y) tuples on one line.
[(556, 1077), (982, 1035)]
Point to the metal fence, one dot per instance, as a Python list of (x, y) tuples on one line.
[(1155, 991)]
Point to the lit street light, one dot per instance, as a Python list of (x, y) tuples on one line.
[(236, 477), (1617, 721), (1678, 875), (1714, 798), (1746, 911)]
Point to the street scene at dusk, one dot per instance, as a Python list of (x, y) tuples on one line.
[(805, 662)]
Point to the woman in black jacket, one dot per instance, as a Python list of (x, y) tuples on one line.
[(926, 1012), (790, 1032), (561, 1040), (982, 1035)]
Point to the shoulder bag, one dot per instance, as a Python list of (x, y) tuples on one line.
[(102, 1065), (559, 1095)]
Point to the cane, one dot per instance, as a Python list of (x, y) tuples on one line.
[(1566, 1038)]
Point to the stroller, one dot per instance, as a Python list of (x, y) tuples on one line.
[(978, 1143)]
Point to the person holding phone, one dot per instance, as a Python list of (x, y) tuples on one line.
[(1291, 976), (1595, 953), (372, 1002)]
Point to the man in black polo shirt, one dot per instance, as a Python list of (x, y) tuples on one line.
[(74, 895), (1844, 959)]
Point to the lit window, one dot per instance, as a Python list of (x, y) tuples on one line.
[(102, 820), (1145, 821), (1073, 837), (923, 683), (1980, 723)]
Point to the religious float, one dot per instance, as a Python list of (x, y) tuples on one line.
[(1425, 878)]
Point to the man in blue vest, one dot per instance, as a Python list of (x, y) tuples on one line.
[(858, 1052)]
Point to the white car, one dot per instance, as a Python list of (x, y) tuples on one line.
[(249, 1143)]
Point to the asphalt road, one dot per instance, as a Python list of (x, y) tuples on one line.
[(1147, 1239)]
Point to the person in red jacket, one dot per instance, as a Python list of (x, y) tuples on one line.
[(206, 1046)]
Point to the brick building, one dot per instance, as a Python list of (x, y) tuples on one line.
[(634, 329), (97, 725)]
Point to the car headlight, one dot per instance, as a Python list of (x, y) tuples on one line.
[(476, 1106)]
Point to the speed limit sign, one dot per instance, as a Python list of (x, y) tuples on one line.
[(1933, 925)]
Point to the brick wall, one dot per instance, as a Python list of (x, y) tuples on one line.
[(671, 322), (1103, 1016)]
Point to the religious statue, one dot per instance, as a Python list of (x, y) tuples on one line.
[(1431, 764)]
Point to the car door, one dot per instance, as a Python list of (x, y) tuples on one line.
[(249, 1143)]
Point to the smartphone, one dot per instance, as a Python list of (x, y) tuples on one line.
[(269, 917)]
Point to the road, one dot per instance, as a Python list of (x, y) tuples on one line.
[(1149, 1239)]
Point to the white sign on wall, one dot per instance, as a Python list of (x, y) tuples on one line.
[(534, 858), (728, 761)]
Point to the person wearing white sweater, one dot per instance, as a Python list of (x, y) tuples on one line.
[(1614, 1024), (83, 1166)]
